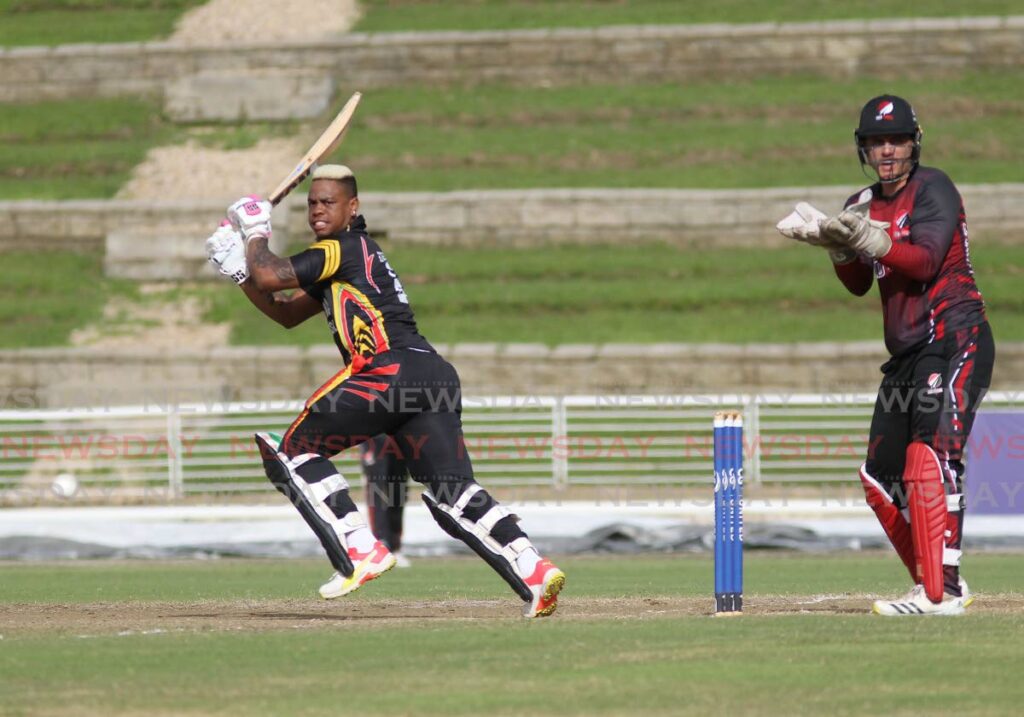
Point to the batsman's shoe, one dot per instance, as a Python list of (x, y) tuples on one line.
[(916, 602), (367, 567), (545, 583)]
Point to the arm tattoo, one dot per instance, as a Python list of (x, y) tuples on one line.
[(260, 256)]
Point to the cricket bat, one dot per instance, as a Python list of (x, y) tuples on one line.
[(324, 145)]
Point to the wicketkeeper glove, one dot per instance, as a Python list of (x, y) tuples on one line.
[(804, 225), (841, 256), (226, 252), (853, 230), (251, 216)]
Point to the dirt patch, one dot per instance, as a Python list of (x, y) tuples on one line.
[(191, 171), (220, 22), (154, 323), (140, 618), (194, 172)]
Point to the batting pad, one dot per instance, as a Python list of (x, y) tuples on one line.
[(477, 536), (309, 500)]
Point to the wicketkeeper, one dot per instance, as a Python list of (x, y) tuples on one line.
[(908, 230), (393, 382)]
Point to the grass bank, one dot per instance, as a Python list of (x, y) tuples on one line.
[(60, 22), (426, 15)]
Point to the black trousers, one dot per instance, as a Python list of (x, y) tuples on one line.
[(415, 397), (932, 396), (387, 486)]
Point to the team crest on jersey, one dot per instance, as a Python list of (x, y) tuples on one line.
[(359, 323), (934, 383)]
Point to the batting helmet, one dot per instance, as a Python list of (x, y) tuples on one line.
[(887, 115)]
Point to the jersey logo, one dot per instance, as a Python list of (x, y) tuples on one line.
[(934, 383), (881, 270), (368, 266), (901, 227), (360, 324)]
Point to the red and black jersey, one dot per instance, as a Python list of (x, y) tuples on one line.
[(926, 280), (367, 309)]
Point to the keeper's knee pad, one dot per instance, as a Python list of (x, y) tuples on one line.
[(477, 534), (311, 498)]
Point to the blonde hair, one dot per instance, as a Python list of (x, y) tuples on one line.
[(332, 171), (339, 173)]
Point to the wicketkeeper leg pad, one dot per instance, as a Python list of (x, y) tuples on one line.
[(926, 498), (892, 519), (311, 499), (951, 553), (477, 534)]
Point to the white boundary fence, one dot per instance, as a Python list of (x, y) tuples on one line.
[(629, 440)]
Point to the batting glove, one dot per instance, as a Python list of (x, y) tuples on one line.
[(226, 252), (854, 231), (251, 216)]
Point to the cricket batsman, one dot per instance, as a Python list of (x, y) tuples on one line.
[(392, 382)]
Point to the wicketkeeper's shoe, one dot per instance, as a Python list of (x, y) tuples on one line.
[(916, 602), (965, 593), (545, 583), (367, 567)]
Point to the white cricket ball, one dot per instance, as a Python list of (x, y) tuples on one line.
[(64, 485)]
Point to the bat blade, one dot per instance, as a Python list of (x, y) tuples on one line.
[(324, 145)]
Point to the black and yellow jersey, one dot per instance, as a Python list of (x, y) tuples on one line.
[(366, 307)]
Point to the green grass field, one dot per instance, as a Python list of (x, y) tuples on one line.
[(768, 132), (43, 155), (34, 314), (424, 15), (632, 293), (632, 636), (58, 22), (54, 22), (701, 135)]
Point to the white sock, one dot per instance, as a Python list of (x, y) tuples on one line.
[(361, 538), (526, 561)]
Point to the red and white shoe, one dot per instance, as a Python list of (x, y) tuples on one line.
[(545, 583), (367, 567)]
